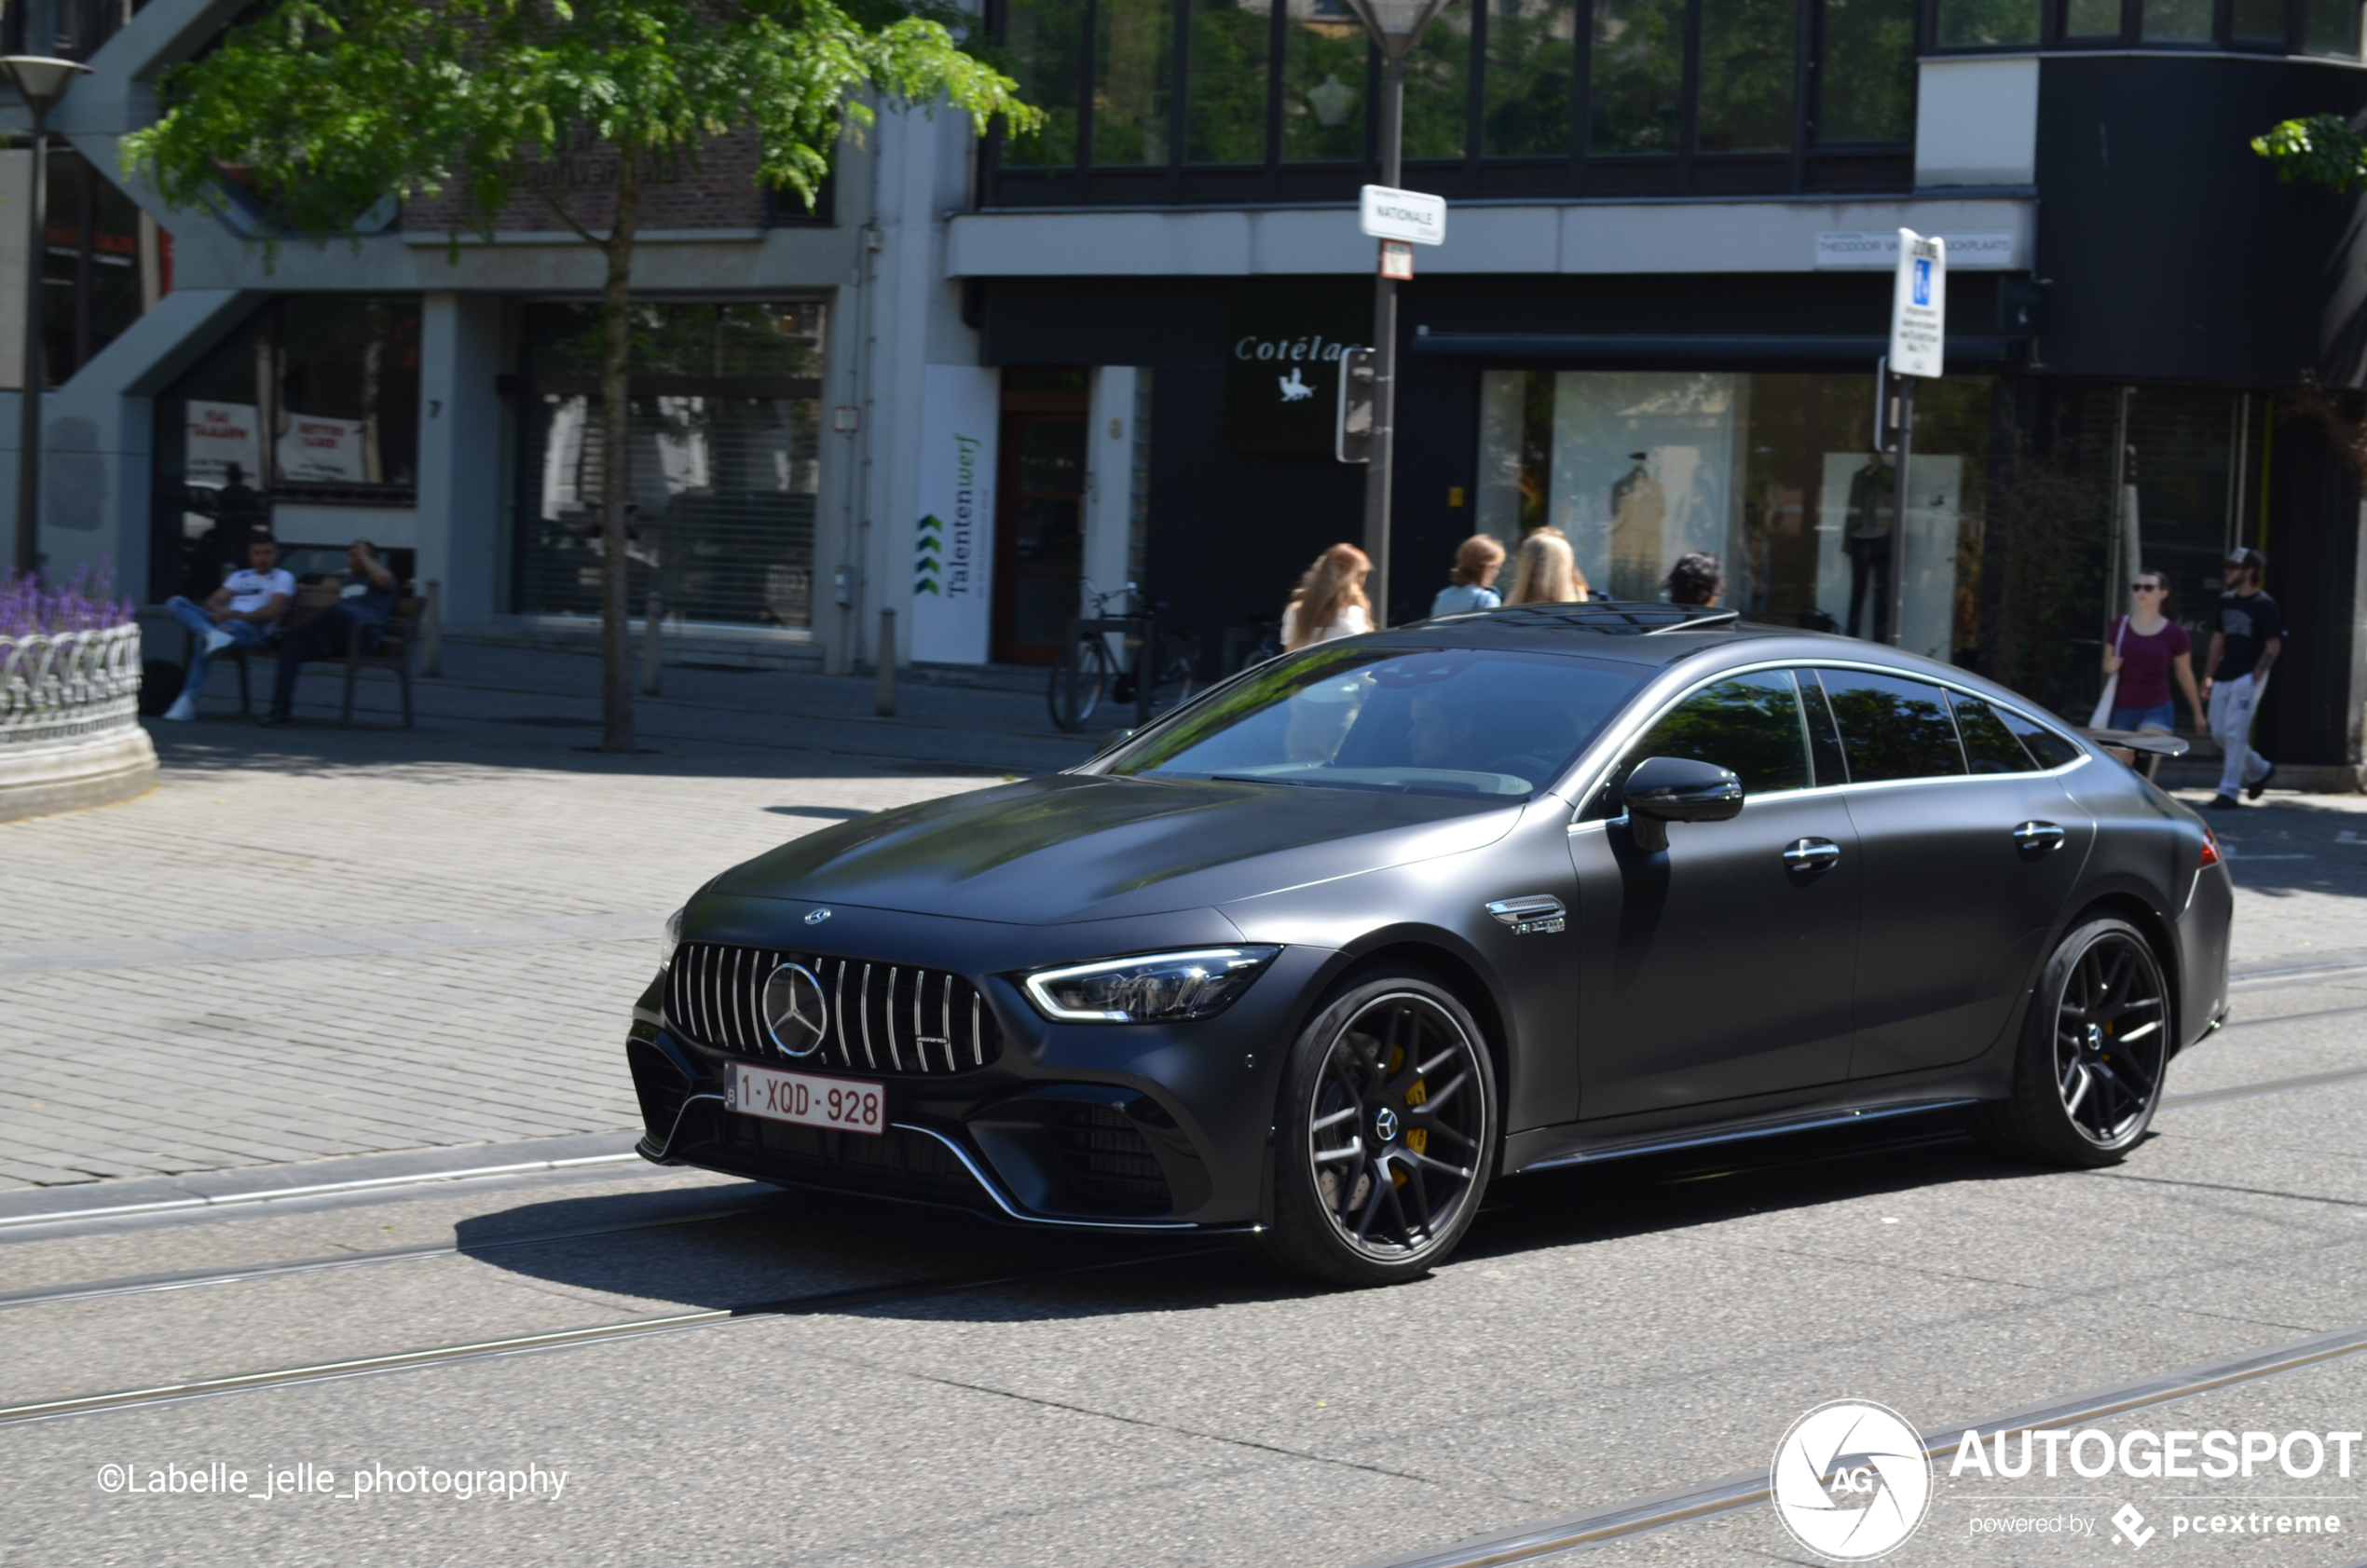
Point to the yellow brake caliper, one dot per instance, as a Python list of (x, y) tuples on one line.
[(1416, 1139)]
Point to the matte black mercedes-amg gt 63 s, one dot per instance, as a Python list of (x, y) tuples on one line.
[(1315, 956)]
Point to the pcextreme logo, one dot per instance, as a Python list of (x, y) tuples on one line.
[(1850, 1481)]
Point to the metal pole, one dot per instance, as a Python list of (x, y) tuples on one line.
[(432, 630), (883, 692), (1898, 513), (29, 400), (1381, 472)]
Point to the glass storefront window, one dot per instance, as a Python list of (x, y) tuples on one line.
[(721, 473), (1532, 48), (1438, 88), (1636, 76), (2100, 18), (315, 398), (2330, 27), (1866, 86), (1133, 43), (2173, 21), (1986, 23), (1773, 473), (1230, 41), (1044, 38), (1749, 63), (2259, 23), (1324, 57)]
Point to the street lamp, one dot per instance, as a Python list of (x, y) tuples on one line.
[(42, 81), (1395, 25)]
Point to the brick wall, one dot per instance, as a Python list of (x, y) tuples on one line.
[(719, 191)]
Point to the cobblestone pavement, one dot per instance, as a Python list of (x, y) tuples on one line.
[(313, 942)]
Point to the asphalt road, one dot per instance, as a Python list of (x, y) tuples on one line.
[(900, 1386)]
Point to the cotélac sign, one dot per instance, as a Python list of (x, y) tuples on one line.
[(1282, 363)]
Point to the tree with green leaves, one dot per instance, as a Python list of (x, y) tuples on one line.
[(2325, 149), (329, 106)]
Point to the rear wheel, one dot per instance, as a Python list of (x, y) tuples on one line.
[(2093, 1051), (1385, 1135), (1078, 681)]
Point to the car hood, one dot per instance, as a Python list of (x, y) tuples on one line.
[(1079, 847)]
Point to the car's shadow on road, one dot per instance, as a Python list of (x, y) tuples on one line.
[(755, 1248)]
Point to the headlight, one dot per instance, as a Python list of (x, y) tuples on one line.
[(1156, 988), (673, 940)]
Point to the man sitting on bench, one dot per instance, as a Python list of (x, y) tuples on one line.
[(241, 611), (367, 600)]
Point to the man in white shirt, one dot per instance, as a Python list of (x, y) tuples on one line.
[(238, 613)]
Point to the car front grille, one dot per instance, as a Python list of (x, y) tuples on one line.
[(882, 1018)]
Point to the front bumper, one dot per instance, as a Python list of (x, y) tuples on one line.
[(1122, 1127)]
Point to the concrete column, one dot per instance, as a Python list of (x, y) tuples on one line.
[(461, 454), (1109, 477)]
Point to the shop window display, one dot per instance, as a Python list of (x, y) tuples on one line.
[(721, 474), (1773, 473), (315, 398)]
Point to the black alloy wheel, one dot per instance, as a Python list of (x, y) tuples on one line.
[(2093, 1051), (1386, 1136)]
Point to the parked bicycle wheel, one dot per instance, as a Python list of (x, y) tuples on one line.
[(1078, 681), (1179, 659)]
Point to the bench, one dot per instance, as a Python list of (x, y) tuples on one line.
[(389, 649)]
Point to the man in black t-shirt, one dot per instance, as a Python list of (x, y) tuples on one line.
[(2251, 635)]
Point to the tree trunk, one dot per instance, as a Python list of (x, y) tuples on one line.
[(616, 682)]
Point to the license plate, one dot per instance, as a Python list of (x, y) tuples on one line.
[(805, 1099)]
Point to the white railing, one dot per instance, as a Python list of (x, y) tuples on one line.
[(68, 687)]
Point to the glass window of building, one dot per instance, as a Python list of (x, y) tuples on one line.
[(1987, 24), (1133, 70), (1045, 39), (314, 398), (1532, 49), (2331, 27), (1438, 88), (73, 29), (721, 469), (1867, 83), (1325, 49), (2099, 19), (1749, 62), (104, 264), (2257, 23), (2170, 22), (1230, 42), (1636, 76)]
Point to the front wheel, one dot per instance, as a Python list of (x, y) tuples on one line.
[(1078, 681), (2093, 1051), (1384, 1138)]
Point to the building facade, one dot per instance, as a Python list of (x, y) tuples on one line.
[(984, 378)]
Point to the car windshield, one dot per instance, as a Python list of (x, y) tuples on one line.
[(1452, 721)]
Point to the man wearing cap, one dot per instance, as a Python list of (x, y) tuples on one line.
[(2251, 635)]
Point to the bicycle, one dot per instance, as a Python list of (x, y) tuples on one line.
[(1085, 672)]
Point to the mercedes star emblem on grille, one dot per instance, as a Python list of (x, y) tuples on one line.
[(817, 916), (795, 1014)]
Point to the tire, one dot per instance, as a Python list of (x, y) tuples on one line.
[(1384, 1135), (1178, 655), (1078, 682), (2087, 1074)]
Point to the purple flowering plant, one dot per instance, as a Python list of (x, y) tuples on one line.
[(85, 602)]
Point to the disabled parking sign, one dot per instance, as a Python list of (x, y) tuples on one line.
[(1919, 306)]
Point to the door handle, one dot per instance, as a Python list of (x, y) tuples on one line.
[(2035, 838), (1807, 857)]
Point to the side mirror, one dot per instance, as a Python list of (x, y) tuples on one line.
[(1664, 789)]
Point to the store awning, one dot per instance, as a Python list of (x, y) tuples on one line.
[(1689, 349)]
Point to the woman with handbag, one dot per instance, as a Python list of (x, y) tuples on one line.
[(2147, 650)]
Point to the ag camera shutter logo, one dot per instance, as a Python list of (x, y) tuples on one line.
[(1851, 1481)]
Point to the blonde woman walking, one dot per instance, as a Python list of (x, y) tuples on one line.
[(1330, 599), (1547, 572)]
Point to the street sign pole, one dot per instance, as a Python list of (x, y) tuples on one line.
[(1378, 477), (1918, 334)]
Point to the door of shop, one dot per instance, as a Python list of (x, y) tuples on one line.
[(1039, 543)]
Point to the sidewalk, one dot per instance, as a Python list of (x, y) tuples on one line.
[(312, 944)]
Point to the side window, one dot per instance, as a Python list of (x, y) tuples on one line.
[(1893, 728), (1990, 747), (1751, 724), (1824, 735), (2052, 750)]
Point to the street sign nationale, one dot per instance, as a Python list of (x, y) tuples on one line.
[(1394, 214), (1919, 306)]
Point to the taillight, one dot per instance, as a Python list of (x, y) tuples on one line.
[(2210, 848)]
